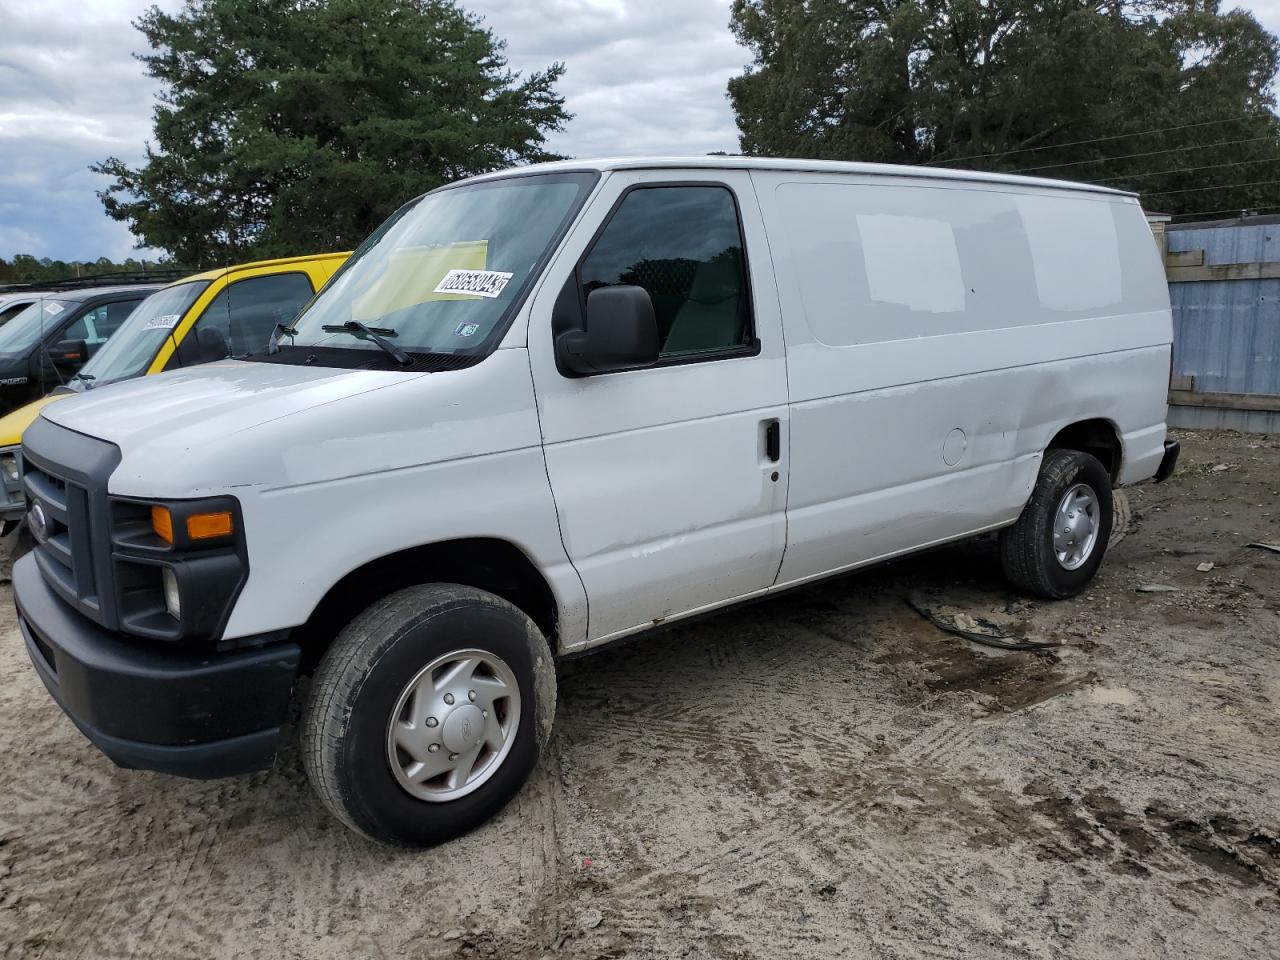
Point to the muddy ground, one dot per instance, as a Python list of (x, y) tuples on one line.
[(824, 774)]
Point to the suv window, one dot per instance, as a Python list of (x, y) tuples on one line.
[(13, 310), (96, 326), (684, 246), (245, 313)]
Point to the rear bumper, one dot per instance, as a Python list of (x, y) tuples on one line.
[(1170, 461), (149, 707)]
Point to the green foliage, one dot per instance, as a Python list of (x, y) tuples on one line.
[(294, 126), (24, 268), (1070, 89)]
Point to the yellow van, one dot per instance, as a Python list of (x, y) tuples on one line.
[(229, 311)]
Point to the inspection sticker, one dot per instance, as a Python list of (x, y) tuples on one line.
[(167, 322), (54, 308), (473, 283), (466, 329)]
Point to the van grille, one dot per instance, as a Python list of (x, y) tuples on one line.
[(65, 481), (62, 548)]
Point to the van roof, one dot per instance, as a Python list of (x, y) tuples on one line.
[(217, 272), (802, 166)]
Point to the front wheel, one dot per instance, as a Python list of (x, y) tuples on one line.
[(1060, 538), (428, 713)]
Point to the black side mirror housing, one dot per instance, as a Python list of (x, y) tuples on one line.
[(621, 333), (69, 353)]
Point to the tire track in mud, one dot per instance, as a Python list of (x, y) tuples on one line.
[(822, 837), (541, 878)]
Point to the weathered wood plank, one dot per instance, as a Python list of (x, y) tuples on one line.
[(1184, 258), (1229, 401), (1265, 270)]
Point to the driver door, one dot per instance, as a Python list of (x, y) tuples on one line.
[(670, 481)]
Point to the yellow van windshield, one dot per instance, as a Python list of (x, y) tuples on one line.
[(130, 351)]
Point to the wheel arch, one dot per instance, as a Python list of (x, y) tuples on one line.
[(486, 563), (1098, 437)]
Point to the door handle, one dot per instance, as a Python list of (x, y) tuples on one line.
[(773, 440)]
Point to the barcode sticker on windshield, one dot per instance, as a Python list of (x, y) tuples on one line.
[(167, 322), (473, 283)]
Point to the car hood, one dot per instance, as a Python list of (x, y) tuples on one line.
[(224, 398), (232, 424)]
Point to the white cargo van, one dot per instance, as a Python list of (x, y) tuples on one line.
[(548, 408)]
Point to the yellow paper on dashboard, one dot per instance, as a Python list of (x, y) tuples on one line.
[(412, 275)]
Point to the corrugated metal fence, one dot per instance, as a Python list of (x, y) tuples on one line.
[(1224, 284)]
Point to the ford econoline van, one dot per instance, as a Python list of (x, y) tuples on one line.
[(208, 316), (545, 409)]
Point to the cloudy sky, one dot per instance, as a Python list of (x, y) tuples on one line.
[(644, 77)]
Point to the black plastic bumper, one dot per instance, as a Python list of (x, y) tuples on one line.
[(149, 708), (1170, 461)]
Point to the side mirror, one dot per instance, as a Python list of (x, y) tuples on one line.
[(69, 353), (621, 333)]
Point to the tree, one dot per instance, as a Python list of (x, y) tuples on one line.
[(24, 268), (292, 126), (1168, 97)]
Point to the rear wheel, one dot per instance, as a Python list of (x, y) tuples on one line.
[(1059, 541), (428, 713)]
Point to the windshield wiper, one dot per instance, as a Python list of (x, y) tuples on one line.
[(374, 334), (88, 379)]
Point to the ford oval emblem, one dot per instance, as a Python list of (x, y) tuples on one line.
[(38, 522)]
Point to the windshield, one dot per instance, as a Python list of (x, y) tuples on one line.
[(25, 330), (130, 351), (442, 275)]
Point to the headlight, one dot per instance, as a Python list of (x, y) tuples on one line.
[(172, 598), (9, 467), (178, 566)]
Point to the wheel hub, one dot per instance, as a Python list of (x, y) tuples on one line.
[(1076, 524), (453, 725), (462, 729)]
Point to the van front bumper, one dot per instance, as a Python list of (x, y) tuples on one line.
[(148, 707)]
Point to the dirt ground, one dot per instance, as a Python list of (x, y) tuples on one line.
[(825, 774)]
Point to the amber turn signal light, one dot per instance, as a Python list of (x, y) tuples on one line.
[(162, 524), (208, 526)]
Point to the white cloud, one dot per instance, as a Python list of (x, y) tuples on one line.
[(643, 77), (70, 94)]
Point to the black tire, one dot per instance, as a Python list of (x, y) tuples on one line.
[(1026, 548), (361, 677)]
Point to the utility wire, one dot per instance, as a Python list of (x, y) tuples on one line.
[(1207, 166), (1078, 143), (1216, 186), (1147, 153), (1236, 210)]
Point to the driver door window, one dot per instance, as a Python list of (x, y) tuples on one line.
[(683, 245), (96, 326), (242, 316)]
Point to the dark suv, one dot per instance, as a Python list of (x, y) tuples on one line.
[(44, 345)]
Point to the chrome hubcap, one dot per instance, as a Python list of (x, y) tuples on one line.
[(453, 725), (1075, 526)]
